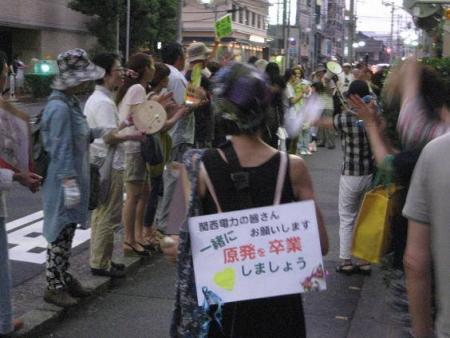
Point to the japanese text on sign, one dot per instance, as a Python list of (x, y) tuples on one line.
[(258, 253)]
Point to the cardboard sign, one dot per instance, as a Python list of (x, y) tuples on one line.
[(257, 253), (14, 138), (224, 26)]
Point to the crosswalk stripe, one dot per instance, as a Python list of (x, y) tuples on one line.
[(24, 220)]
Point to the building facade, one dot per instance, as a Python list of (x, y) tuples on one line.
[(249, 19), (41, 29), (373, 51)]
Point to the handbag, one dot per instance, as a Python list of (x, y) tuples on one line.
[(100, 181), (372, 234), (151, 150)]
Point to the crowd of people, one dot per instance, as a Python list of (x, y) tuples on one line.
[(234, 118)]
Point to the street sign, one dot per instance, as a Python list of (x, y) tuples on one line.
[(224, 26)]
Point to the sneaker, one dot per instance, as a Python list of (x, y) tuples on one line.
[(303, 152), (77, 290), (112, 272), (59, 297), (118, 266)]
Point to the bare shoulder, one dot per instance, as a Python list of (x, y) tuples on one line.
[(297, 166)]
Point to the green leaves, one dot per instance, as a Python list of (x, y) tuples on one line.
[(151, 21)]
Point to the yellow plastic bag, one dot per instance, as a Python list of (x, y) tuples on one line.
[(372, 234)]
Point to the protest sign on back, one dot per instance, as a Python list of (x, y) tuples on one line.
[(257, 253)]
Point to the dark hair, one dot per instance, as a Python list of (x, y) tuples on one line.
[(319, 87), (273, 73), (3, 60), (138, 63), (288, 73), (358, 87), (171, 52), (213, 67), (161, 72), (241, 100), (106, 61), (252, 59), (433, 90)]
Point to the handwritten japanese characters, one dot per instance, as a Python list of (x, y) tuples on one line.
[(258, 253)]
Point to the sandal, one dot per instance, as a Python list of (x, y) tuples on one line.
[(363, 268), (130, 250), (149, 247), (345, 268)]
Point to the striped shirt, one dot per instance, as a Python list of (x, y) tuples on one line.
[(358, 160)]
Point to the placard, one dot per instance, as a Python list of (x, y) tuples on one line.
[(257, 253), (14, 139), (224, 26)]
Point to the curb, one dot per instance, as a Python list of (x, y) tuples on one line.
[(45, 316)]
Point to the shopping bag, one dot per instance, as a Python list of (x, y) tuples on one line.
[(372, 235)]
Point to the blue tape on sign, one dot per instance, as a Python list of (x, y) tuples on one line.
[(210, 299)]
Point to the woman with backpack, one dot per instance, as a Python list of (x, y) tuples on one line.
[(66, 138), (241, 104)]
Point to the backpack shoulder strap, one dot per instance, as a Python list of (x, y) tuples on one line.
[(239, 177)]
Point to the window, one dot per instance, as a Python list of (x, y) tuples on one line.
[(241, 15), (259, 21), (234, 13), (253, 19), (247, 17)]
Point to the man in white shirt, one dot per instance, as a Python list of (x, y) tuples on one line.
[(346, 78), (107, 163), (182, 133)]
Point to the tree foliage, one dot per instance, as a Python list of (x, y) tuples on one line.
[(151, 21)]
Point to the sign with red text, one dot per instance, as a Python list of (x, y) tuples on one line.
[(257, 253)]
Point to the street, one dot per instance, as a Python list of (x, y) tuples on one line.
[(141, 305)]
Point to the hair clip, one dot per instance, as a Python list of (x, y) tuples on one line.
[(131, 74)]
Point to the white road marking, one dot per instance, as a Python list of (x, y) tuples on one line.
[(24, 220), (23, 243)]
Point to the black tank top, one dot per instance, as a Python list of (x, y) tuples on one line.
[(262, 182)]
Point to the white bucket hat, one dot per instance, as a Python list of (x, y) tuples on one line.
[(197, 51), (75, 68)]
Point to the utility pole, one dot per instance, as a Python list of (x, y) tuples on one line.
[(118, 34), (127, 48), (179, 21), (288, 59), (285, 43), (392, 32), (351, 31)]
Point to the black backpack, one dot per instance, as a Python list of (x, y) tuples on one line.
[(41, 158)]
